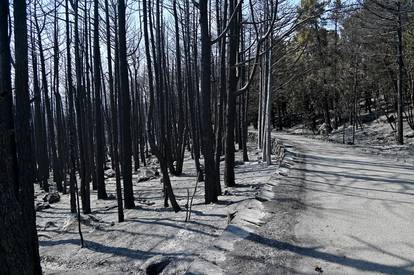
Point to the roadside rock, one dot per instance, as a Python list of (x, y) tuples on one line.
[(155, 265)]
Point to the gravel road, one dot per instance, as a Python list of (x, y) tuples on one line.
[(337, 212)]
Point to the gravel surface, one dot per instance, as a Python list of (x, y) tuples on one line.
[(338, 211)]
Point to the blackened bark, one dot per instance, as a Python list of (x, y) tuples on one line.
[(229, 179), (58, 172), (71, 126), (114, 132), (98, 108), (125, 120), (222, 90), (25, 186), (15, 257), (211, 173), (80, 112), (400, 93)]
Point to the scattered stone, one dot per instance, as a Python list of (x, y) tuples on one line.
[(52, 197), (155, 265), (226, 193)]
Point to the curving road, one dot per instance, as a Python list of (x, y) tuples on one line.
[(337, 211)]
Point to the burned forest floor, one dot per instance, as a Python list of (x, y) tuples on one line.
[(150, 229)]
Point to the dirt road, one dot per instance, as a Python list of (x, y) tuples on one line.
[(338, 212)]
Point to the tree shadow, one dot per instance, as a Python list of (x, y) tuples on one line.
[(313, 252), (135, 254), (175, 224)]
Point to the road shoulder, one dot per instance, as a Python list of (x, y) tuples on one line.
[(269, 249)]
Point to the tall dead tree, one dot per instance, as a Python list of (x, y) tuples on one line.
[(58, 171), (71, 119), (211, 173), (80, 115), (125, 116), (99, 161), (401, 73), (24, 188), (114, 118), (229, 178), (16, 249)]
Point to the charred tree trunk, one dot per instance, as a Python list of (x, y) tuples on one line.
[(401, 73), (99, 161), (18, 155), (71, 126), (58, 170), (229, 178), (211, 173), (114, 132), (125, 120), (80, 111)]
